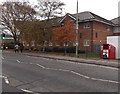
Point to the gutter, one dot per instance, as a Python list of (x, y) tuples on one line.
[(95, 62)]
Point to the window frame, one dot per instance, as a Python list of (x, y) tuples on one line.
[(86, 25), (96, 34), (80, 35), (86, 43)]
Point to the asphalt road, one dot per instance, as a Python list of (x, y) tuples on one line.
[(36, 74), (6, 88)]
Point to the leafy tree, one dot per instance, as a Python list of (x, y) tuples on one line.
[(64, 34)]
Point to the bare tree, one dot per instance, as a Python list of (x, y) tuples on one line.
[(15, 12), (50, 8)]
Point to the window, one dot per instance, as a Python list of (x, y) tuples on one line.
[(28, 44), (23, 44), (71, 20), (86, 25), (96, 34), (44, 43), (57, 45), (80, 35), (106, 46), (62, 24), (86, 43), (65, 43), (38, 44), (75, 44), (50, 44), (108, 28), (33, 44)]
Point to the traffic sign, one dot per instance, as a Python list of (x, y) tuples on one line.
[(7, 38)]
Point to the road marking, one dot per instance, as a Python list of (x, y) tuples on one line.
[(80, 74), (28, 91), (105, 80), (3, 58), (110, 81), (7, 81), (18, 61), (31, 63), (51, 69), (5, 78), (1, 76), (76, 73), (40, 66), (64, 70)]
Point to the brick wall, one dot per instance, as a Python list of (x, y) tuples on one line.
[(86, 35), (101, 31), (96, 34)]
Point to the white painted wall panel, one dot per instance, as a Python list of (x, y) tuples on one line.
[(115, 41)]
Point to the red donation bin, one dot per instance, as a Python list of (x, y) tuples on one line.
[(108, 51)]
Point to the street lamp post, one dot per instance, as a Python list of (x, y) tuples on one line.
[(77, 31)]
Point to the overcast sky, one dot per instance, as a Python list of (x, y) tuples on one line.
[(105, 8)]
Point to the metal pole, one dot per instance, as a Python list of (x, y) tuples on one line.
[(77, 31)]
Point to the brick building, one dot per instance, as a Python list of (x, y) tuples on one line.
[(93, 30), (116, 26)]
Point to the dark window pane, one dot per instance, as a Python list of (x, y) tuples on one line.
[(80, 35), (96, 35)]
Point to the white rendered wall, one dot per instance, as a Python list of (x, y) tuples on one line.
[(115, 41)]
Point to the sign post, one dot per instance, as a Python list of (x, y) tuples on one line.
[(77, 31)]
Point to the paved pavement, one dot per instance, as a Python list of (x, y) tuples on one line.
[(37, 74), (104, 62)]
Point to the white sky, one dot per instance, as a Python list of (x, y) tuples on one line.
[(105, 8)]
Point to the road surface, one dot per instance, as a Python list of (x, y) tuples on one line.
[(36, 74)]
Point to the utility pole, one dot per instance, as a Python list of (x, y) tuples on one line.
[(77, 31)]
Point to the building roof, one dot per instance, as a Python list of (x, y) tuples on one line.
[(116, 21), (54, 22), (89, 16)]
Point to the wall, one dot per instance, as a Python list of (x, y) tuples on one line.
[(89, 34), (115, 41), (102, 30), (86, 36)]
